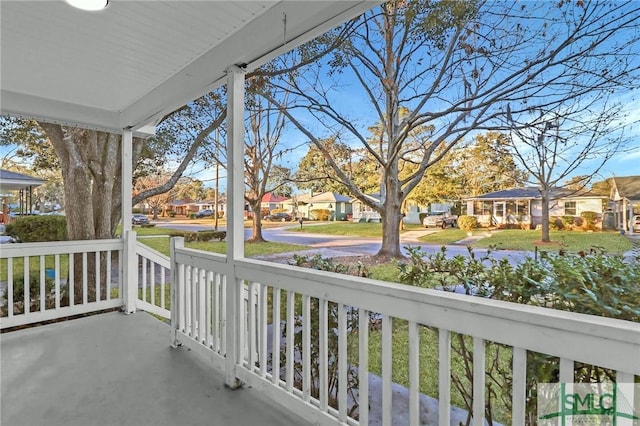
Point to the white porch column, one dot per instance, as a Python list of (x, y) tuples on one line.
[(129, 266), (235, 216), (127, 177), (235, 162), (625, 219)]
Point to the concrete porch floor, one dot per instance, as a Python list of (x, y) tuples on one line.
[(116, 369)]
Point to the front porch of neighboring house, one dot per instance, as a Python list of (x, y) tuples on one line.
[(364, 213), (112, 368)]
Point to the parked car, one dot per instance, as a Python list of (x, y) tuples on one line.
[(204, 213), (139, 219), (440, 219), (278, 217), (635, 224)]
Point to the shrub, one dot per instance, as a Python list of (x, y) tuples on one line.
[(34, 288), (136, 211), (589, 220), (192, 215), (274, 211), (319, 214), (555, 223), (33, 229), (467, 223), (567, 221), (595, 284), (421, 217), (190, 237), (172, 214)]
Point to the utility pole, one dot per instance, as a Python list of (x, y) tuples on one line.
[(215, 194)]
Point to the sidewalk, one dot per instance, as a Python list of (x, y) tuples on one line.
[(635, 246)]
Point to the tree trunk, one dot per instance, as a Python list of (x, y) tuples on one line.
[(256, 235), (544, 201), (391, 217), (90, 164)]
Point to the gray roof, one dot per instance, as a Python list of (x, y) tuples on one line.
[(323, 197), (628, 187), (12, 181), (530, 193)]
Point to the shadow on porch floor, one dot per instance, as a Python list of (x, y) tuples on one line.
[(114, 369)]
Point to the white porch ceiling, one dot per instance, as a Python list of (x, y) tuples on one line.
[(135, 61)]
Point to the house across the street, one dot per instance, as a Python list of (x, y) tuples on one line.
[(523, 206), (338, 205)]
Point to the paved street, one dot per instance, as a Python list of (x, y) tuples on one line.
[(332, 245)]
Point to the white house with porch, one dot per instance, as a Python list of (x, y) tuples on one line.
[(523, 206), (121, 69)]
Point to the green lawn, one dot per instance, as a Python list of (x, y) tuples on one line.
[(446, 236), (574, 241), (517, 239), (251, 249)]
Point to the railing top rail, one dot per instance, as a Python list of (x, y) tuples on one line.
[(153, 255), (59, 247)]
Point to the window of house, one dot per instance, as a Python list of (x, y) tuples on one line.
[(522, 207), (569, 208), (511, 208), (477, 207)]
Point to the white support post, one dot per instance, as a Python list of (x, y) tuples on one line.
[(127, 179), (235, 162), (130, 272), (129, 268), (174, 243), (235, 217)]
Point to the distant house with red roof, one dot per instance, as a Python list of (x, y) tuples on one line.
[(270, 201)]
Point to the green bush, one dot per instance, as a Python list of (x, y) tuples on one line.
[(421, 217), (34, 288), (137, 211), (319, 214), (467, 223), (555, 224), (192, 215), (171, 214), (567, 221), (589, 220), (32, 229), (594, 283), (190, 237)]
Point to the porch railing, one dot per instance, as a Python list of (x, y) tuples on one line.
[(153, 281), (304, 337), (45, 281)]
